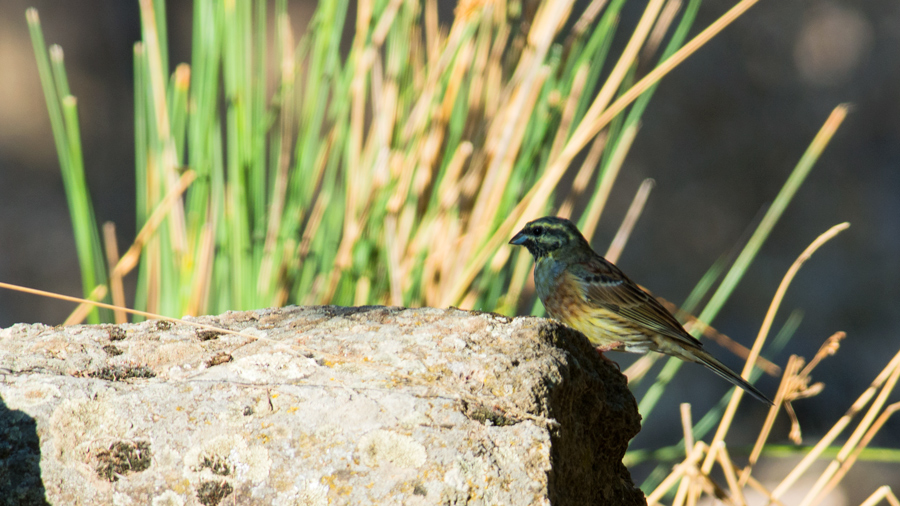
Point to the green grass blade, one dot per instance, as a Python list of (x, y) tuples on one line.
[(51, 95), (87, 237), (66, 133)]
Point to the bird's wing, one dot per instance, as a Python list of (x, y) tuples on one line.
[(604, 285)]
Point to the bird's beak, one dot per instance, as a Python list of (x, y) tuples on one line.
[(519, 239)]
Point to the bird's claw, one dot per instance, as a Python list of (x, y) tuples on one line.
[(601, 350)]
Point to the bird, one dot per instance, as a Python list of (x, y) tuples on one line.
[(586, 292)]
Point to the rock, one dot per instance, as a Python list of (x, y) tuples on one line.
[(325, 405)]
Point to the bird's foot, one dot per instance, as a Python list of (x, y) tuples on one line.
[(602, 349)]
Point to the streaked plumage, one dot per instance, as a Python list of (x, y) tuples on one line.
[(583, 290)]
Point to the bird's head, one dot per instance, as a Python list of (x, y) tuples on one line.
[(551, 236)]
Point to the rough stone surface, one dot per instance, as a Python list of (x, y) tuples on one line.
[(369, 405)]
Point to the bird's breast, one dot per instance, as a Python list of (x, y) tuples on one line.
[(559, 291)]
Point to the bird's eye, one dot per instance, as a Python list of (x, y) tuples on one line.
[(537, 231)]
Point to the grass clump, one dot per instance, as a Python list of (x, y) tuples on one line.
[(272, 171)]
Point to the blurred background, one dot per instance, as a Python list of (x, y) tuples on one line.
[(720, 137)]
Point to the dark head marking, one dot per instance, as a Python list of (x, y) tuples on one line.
[(546, 235)]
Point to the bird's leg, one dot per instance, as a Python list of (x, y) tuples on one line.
[(607, 347), (615, 345)]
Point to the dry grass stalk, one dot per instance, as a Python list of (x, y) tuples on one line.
[(660, 29), (145, 314), (590, 163), (593, 212), (81, 312), (856, 442), (565, 125), (882, 493), (202, 280), (730, 411), (790, 372), (115, 281), (169, 160), (687, 427), (588, 16), (640, 367), (617, 245), (766, 493), (832, 434), (835, 477), (171, 200), (677, 473), (693, 482), (724, 460), (795, 384)]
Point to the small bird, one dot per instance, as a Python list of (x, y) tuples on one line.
[(583, 290)]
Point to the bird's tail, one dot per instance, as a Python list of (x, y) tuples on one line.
[(719, 368)]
